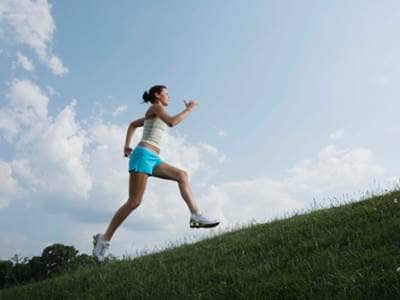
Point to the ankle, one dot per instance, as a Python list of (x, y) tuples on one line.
[(103, 236)]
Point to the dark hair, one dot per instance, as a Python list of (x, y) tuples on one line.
[(149, 96)]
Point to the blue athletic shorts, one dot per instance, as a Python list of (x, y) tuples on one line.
[(143, 160)]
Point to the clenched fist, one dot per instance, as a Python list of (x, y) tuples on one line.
[(191, 104), (127, 151)]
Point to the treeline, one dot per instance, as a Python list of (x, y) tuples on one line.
[(55, 259)]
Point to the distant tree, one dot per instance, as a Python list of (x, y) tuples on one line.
[(20, 271), (18, 259), (6, 268), (38, 268), (56, 257), (81, 261)]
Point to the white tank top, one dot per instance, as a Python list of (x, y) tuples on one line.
[(153, 131)]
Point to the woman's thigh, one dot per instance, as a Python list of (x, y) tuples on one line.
[(137, 184), (167, 171)]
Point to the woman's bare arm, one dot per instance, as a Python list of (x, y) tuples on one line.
[(138, 123), (129, 134), (161, 112)]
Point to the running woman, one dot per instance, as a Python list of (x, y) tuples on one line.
[(144, 161)]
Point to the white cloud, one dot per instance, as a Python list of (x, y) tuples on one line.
[(246, 200), (23, 171), (8, 125), (8, 184), (60, 151), (27, 108), (28, 101), (119, 110), (221, 132), (56, 65), (335, 171), (24, 62), (336, 135), (50, 150), (31, 23)]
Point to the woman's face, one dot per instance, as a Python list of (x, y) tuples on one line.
[(163, 97)]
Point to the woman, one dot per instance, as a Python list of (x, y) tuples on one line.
[(144, 161)]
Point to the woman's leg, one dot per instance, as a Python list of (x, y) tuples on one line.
[(137, 186), (166, 171)]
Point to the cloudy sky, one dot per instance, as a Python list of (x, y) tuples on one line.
[(298, 108)]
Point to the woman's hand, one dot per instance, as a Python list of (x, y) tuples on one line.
[(127, 151), (191, 104)]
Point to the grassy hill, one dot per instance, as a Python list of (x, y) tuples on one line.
[(347, 252)]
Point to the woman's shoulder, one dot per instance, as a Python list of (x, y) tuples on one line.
[(150, 114), (154, 110)]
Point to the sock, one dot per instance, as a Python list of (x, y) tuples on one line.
[(198, 213), (102, 237)]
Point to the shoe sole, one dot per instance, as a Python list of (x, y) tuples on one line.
[(194, 224)]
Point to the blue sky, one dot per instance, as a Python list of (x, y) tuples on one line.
[(298, 102)]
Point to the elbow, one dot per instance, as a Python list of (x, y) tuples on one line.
[(132, 126)]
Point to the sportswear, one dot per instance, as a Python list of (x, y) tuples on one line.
[(153, 131), (143, 160), (100, 246), (200, 220)]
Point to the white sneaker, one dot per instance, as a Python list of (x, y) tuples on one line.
[(100, 246), (200, 220)]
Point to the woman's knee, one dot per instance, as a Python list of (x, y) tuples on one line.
[(183, 176), (133, 202)]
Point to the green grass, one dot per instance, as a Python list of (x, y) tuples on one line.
[(351, 251)]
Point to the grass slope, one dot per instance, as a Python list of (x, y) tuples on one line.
[(350, 251)]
